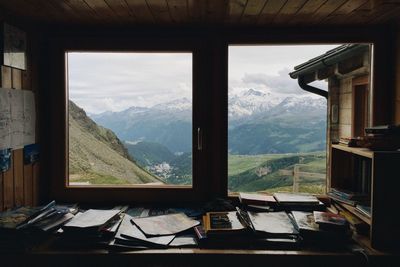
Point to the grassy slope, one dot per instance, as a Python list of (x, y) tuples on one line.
[(243, 172), (95, 161)]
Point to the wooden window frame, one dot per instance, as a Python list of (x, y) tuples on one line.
[(210, 62), (60, 189)]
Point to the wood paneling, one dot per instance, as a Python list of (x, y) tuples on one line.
[(18, 167), (16, 78), (36, 193), (270, 10), (141, 11), (235, 10), (121, 10), (8, 187), (160, 11), (16, 184), (28, 184), (252, 11), (178, 10), (6, 80), (188, 12), (288, 11)]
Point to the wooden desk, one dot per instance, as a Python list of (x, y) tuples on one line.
[(48, 255)]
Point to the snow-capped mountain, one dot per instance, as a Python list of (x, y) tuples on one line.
[(251, 113), (182, 104), (251, 102)]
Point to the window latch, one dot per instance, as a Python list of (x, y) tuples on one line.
[(199, 139)]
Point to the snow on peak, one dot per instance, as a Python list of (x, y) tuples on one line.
[(177, 104), (252, 92)]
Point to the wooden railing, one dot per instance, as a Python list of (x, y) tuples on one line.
[(296, 173)]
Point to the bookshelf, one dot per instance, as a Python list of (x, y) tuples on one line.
[(377, 174)]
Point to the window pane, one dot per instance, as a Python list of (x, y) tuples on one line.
[(130, 118), (274, 127)]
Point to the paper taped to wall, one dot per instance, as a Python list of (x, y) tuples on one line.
[(17, 118)]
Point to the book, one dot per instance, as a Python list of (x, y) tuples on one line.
[(92, 218), (297, 201), (223, 223), (342, 200), (383, 129), (364, 210), (257, 199), (11, 220), (309, 230), (272, 224), (330, 221), (350, 195), (168, 224)]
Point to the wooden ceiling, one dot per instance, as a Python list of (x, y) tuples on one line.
[(206, 12)]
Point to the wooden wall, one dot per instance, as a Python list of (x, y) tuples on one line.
[(345, 107), (397, 95), (20, 184)]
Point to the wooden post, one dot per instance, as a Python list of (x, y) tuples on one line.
[(296, 176)]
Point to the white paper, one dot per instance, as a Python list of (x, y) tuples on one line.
[(29, 117), (5, 119), (17, 118)]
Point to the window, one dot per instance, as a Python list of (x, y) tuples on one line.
[(277, 132), (130, 118), (215, 157)]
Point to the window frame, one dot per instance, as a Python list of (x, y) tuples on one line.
[(60, 189), (380, 54), (210, 45)]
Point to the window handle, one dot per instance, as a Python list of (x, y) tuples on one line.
[(199, 139)]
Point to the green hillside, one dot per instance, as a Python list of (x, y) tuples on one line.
[(149, 153), (262, 172), (97, 156)]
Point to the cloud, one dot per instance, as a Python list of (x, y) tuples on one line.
[(281, 83), (115, 81)]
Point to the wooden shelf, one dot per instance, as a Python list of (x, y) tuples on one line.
[(364, 152), (375, 173)]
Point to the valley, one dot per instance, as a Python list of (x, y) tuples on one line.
[(266, 134)]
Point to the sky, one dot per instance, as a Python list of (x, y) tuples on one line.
[(100, 82)]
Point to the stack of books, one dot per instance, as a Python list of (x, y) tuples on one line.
[(348, 197), (242, 229), (321, 226), (23, 227), (91, 227), (383, 137), (258, 201), (280, 202), (297, 201), (169, 230)]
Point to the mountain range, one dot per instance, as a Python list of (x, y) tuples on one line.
[(259, 123)]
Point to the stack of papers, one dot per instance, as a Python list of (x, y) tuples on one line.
[(155, 231)]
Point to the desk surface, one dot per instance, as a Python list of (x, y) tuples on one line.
[(49, 255)]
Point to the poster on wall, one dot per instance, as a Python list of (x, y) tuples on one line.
[(13, 47), (17, 118)]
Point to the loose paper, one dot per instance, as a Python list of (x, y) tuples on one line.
[(128, 231), (92, 218), (17, 118), (165, 224)]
